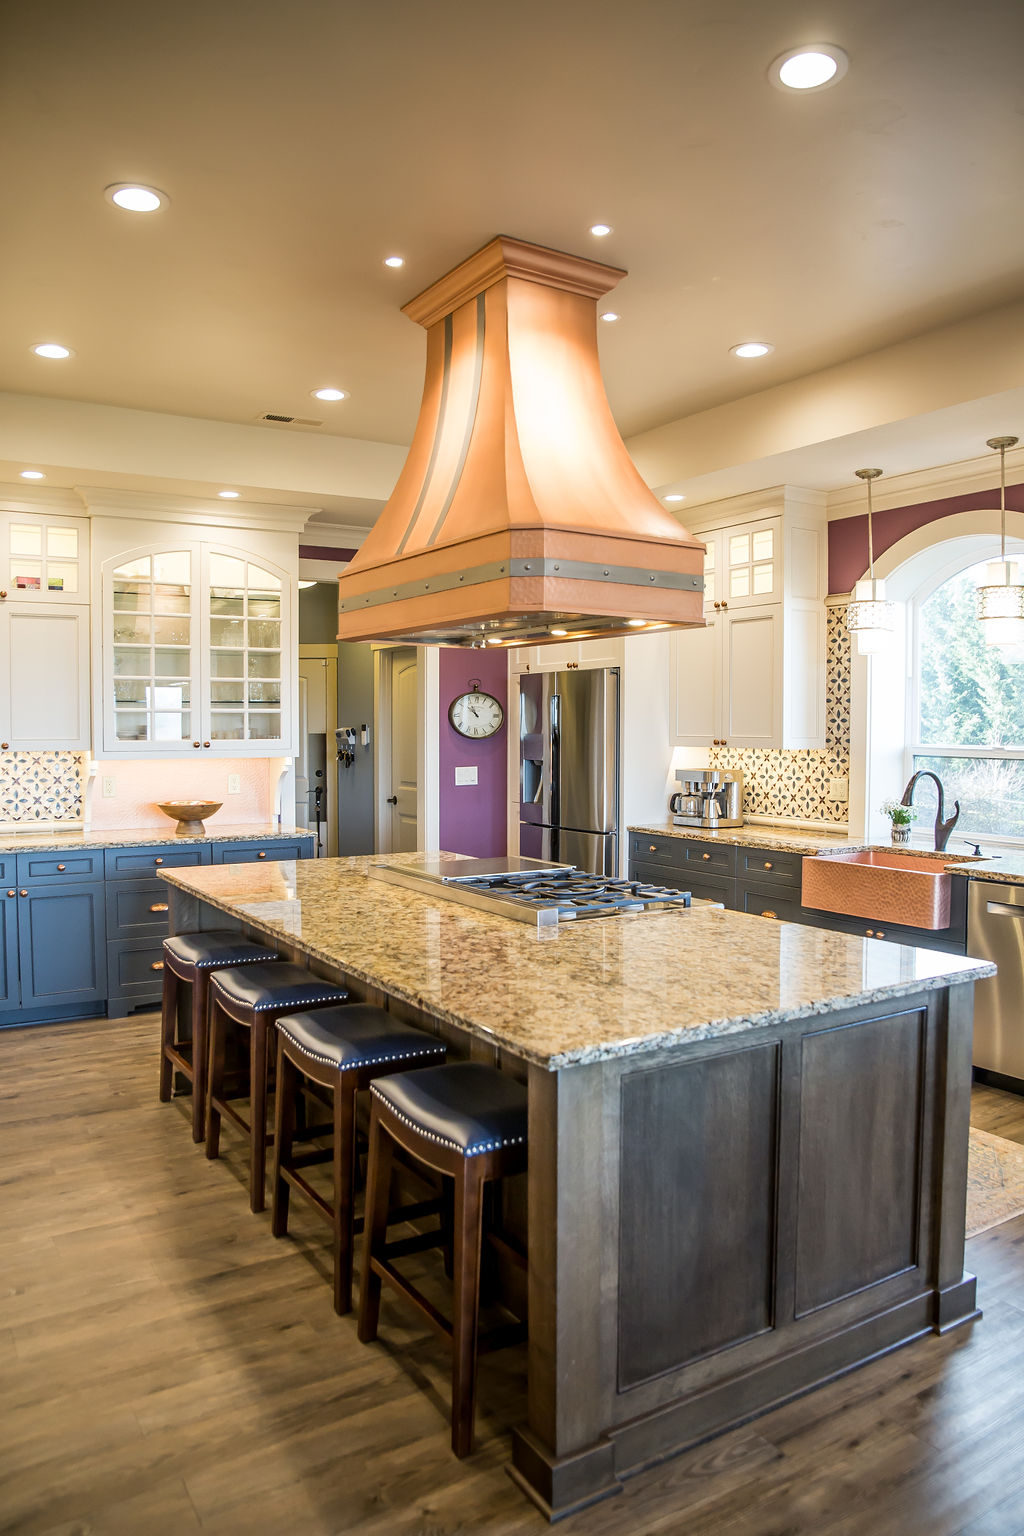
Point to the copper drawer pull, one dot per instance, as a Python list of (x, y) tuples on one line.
[(157, 965), (705, 855), (879, 933), (869, 933), (261, 855), (769, 913), (654, 847), (159, 906), (158, 861), (768, 864), (62, 867)]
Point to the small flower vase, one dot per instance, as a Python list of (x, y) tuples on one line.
[(901, 832)]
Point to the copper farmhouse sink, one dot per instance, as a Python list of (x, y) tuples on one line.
[(887, 887)]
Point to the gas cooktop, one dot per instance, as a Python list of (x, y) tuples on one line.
[(531, 891)]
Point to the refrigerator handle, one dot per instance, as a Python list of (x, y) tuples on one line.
[(556, 766)]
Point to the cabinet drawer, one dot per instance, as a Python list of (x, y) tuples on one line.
[(711, 887), (769, 867), (685, 853), (249, 853), (134, 969), (60, 866), (767, 901), (140, 863), (136, 908)]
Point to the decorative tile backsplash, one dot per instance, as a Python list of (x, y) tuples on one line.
[(796, 784), (42, 786)]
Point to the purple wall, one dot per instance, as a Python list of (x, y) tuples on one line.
[(848, 536), (473, 816)]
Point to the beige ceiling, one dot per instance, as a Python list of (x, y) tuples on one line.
[(301, 143)]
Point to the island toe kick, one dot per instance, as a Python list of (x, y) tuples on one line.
[(717, 1229)]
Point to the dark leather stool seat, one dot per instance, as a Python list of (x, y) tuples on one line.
[(268, 993), (190, 959), (343, 1049), (468, 1122)]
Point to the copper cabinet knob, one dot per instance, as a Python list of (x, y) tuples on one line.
[(158, 861), (12, 893), (4, 745), (654, 847), (261, 855), (62, 867), (157, 965), (23, 893), (195, 743), (769, 913), (705, 855), (768, 864), (3, 593), (869, 933), (879, 933), (159, 906), (725, 605), (206, 743)]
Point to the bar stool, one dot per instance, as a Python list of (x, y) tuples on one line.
[(468, 1122), (255, 997), (190, 960), (343, 1049)]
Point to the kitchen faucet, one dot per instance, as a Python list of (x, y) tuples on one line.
[(942, 828)]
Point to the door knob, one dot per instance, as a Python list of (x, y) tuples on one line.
[(392, 799)]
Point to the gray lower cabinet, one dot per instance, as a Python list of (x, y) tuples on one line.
[(83, 929)]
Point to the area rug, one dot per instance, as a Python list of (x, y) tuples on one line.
[(995, 1181)]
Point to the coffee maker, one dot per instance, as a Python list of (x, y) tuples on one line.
[(713, 798)]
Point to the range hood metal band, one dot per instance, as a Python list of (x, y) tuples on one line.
[(566, 570)]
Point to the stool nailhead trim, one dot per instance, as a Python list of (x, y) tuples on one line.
[(275, 1002), (446, 1141), (206, 965), (367, 1061)]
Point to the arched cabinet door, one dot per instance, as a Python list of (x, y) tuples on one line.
[(246, 642)]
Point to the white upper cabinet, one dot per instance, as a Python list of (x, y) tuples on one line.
[(755, 677), (44, 676), (197, 652), (44, 558)]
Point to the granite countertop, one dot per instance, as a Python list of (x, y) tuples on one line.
[(146, 837), (779, 838), (1008, 869), (580, 992)]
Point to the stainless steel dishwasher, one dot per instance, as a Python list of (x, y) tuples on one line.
[(995, 931)]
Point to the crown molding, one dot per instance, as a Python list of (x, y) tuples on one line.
[(344, 535), (23, 496), (201, 511), (964, 478), (767, 503)]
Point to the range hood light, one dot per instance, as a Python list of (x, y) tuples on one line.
[(559, 632), (638, 623)]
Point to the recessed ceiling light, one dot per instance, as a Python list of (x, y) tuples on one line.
[(609, 315), (600, 230), (675, 497), (228, 495), (32, 474), (809, 68), (135, 198), (52, 349), (329, 394), (394, 261), (752, 349), (637, 623), (304, 584)]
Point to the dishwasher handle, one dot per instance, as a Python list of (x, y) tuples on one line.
[(1003, 909)]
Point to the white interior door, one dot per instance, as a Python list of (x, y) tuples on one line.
[(401, 798)]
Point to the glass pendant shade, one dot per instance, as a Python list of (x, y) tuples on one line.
[(869, 617), (1001, 604)]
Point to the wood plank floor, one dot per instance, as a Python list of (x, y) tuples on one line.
[(167, 1367)]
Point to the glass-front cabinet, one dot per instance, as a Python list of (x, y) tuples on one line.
[(196, 653), (43, 558)]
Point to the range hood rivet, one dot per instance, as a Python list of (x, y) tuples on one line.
[(607, 573), (652, 578)]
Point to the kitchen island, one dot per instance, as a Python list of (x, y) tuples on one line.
[(747, 1141)]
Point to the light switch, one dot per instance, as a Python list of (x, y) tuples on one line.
[(466, 776), (839, 789)]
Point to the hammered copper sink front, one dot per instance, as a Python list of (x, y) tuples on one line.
[(886, 887)]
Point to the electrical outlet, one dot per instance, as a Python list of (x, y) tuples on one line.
[(839, 790), (234, 783), (109, 787)]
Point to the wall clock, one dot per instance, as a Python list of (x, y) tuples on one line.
[(476, 714)]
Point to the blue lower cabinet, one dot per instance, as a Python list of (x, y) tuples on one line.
[(252, 853), (9, 989), (62, 945), (134, 974)]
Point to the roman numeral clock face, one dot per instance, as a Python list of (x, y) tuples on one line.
[(476, 714)]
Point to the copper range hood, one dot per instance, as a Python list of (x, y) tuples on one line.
[(518, 512)]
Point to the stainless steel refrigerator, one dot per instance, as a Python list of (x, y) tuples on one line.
[(569, 768)]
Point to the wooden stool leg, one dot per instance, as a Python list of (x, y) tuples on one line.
[(284, 1137), (217, 1025), (258, 1046), (168, 1030), (467, 1244), (344, 1189), (375, 1224), (200, 1051)]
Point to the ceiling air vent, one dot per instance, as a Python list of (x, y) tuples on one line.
[(288, 421)]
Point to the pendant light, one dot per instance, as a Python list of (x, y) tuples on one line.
[(868, 615), (1001, 599)]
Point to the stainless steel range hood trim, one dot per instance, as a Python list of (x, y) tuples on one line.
[(567, 570)]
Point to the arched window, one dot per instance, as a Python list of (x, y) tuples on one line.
[(966, 711)]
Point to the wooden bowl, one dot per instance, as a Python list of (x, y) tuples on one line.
[(189, 815)]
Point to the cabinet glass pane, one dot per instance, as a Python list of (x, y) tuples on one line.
[(265, 633), (62, 543), (130, 662), (763, 544), (764, 578), (261, 581), (170, 727), (230, 691), (172, 630), (227, 664), (168, 599), (226, 571), (61, 576), (26, 539), (174, 568), (131, 596), (709, 586), (167, 663), (224, 601), (132, 629), (227, 632), (130, 690), (227, 727), (133, 570), (263, 607), (131, 725), (264, 726), (739, 583), (27, 575), (264, 693), (265, 664), (739, 548)]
